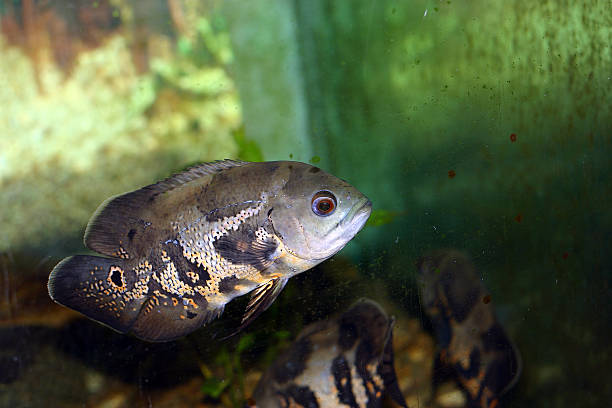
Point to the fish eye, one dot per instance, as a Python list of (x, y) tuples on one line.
[(323, 203)]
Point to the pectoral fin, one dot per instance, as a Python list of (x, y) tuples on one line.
[(242, 247), (261, 298)]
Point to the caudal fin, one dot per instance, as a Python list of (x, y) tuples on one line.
[(99, 288), (104, 290)]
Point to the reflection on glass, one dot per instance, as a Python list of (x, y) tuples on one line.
[(477, 131)]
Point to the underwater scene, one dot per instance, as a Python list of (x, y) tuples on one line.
[(365, 203)]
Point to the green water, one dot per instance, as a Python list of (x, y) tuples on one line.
[(483, 126)]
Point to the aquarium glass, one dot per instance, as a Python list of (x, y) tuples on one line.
[(479, 129)]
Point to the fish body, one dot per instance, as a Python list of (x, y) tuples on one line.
[(178, 251), (346, 362), (471, 340)]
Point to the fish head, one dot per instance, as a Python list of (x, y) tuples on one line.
[(448, 276), (316, 214)]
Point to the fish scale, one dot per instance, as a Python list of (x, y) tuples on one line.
[(179, 250), (196, 241)]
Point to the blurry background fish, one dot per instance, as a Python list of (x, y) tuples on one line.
[(472, 344), (346, 361)]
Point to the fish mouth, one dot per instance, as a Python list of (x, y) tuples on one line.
[(357, 217), (352, 223)]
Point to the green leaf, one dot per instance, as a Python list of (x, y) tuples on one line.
[(214, 387), (245, 343), (381, 217), (282, 334), (223, 357)]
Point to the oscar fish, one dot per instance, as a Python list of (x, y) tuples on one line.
[(471, 341), (176, 252), (344, 362)]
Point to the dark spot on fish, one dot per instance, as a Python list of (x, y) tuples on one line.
[(202, 272), (115, 276), (364, 355), (348, 334), (501, 372), (191, 315), (183, 265), (241, 247), (131, 234), (460, 302), (442, 370), (443, 330), (314, 170), (495, 339), (295, 362), (486, 299), (228, 284), (386, 370), (303, 396), (474, 367), (341, 371)]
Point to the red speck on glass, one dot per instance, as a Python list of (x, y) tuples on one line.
[(518, 218), (565, 255), (451, 173), (513, 137)]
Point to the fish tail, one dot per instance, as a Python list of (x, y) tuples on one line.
[(100, 288)]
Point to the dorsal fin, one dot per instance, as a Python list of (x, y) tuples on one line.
[(120, 223), (193, 173)]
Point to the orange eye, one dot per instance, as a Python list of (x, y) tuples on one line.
[(323, 203)]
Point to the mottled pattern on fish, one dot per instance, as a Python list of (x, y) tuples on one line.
[(470, 338), (347, 362), (178, 251)]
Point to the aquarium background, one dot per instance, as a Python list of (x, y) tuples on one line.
[(482, 126)]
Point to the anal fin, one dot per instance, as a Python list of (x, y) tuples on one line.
[(166, 318)]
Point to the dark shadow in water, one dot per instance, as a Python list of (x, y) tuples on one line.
[(19, 347), (149, 365)]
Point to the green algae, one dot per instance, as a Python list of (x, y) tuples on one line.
[(99, 132)]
